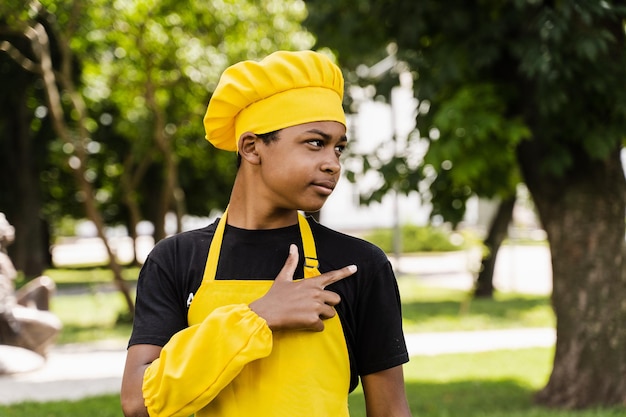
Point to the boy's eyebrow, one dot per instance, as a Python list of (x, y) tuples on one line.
[(326, 136)]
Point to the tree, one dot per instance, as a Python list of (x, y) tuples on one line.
[(159, 63), (447, 189), (543, 78), (23, 140), (125, 86), (72, 131)]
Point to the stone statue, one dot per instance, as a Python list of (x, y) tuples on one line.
[(25, 321)]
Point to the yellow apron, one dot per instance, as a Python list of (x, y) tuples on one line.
[(300, 373)]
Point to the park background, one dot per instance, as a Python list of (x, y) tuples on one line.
[(515, 105)]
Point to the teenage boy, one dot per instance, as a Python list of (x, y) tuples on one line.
[(265, 312)]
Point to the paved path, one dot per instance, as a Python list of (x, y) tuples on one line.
[(71, 372)]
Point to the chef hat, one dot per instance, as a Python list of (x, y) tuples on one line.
[(284, 89)]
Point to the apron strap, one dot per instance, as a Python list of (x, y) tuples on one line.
[(310, 254), (210, 269), (308, 243)]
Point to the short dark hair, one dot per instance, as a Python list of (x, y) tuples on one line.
[(267, 138)]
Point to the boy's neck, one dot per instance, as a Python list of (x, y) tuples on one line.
[(252, 217), (246, 210)]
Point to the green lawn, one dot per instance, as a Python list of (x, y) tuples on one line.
[(91, 316), (430, 309)]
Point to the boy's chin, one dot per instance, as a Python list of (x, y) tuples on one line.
[(312, 208)]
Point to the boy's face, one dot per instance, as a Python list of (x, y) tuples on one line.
[(301, 168)]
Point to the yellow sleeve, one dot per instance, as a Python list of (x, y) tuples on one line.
[(199, 361)]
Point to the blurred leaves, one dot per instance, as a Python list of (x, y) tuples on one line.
[(493, 75), (146, 69)]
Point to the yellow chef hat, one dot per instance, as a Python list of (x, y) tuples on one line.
[(284, 89)]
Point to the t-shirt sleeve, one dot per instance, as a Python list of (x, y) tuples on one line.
[(380, 342), (159, 310)]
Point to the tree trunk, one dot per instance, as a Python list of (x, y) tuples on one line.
[(29, 257), (133, 174), (172, 195), (497, 233), (129, 197), (41, 47), (584, 219), (22, 199)]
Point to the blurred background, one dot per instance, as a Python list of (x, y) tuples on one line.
[(475, 128)]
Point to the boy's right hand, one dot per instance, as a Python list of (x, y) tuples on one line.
[(302, 304)]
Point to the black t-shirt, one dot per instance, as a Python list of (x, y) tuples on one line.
[(370, 303)]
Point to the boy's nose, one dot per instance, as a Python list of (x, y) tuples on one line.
[(331, 165)]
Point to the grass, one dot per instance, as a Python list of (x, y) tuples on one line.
[(69, 278), (91, 316), (429, 309), (88, 304), (101, 406), (489, 384)]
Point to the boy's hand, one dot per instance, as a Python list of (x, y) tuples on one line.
[(299, 305)]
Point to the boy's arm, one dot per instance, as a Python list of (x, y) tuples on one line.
[(385, 394), (195, 364), (138, 358)]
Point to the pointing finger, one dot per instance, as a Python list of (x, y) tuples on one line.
[(286, 273), (336, 275)]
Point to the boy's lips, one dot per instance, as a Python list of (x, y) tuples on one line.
[(326, 187)]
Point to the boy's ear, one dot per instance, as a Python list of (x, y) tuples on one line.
[(247, 148)]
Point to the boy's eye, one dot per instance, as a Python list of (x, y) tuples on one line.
[(320, 143)]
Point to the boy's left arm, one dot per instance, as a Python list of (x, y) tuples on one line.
[(385, 394)]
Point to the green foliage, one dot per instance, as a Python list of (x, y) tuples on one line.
[(416, 239), (13, 13), (146, 69), (472, 122), (490, 77), (156, 75), (472, 150), (357, 34)]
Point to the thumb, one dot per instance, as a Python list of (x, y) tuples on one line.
[(286, 273)]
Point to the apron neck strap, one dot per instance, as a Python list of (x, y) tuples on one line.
[(308, 243), (311, 263)]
